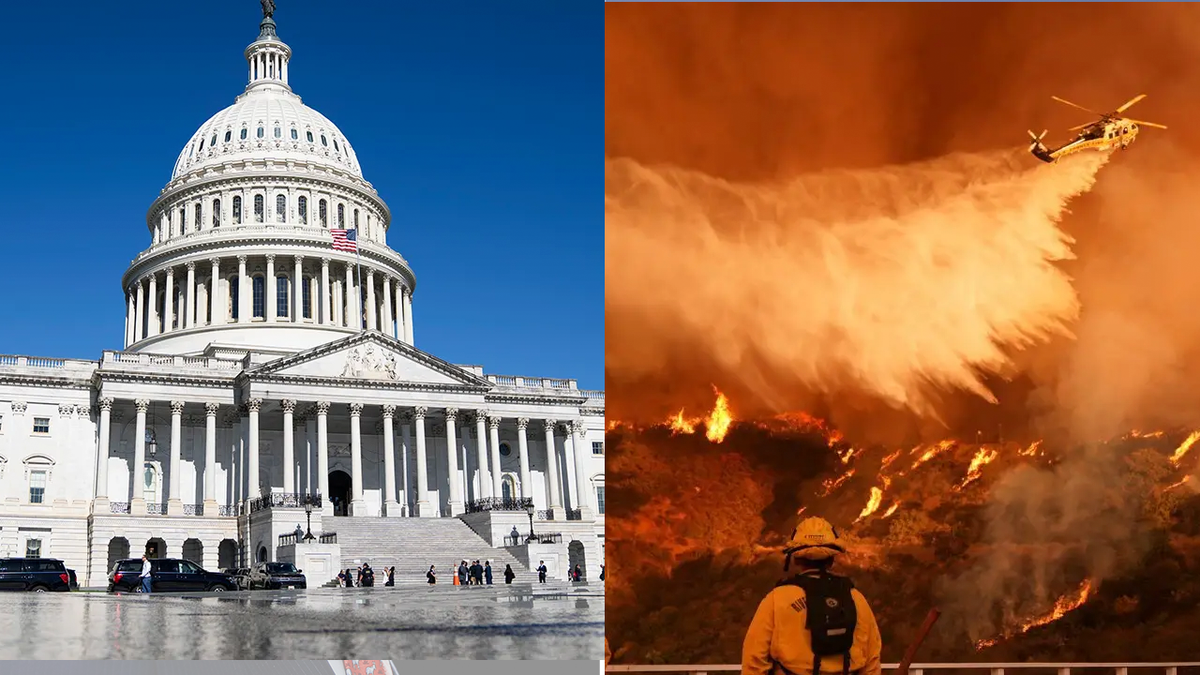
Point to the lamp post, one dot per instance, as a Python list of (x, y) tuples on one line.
[(529, 510), (308, 507)]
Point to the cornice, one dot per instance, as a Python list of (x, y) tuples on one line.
[(343, 383), (160, 378), (43, 382), (592, 412), (501, 397)]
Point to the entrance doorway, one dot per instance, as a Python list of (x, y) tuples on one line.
[(339, 492)]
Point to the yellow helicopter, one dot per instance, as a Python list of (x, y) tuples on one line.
[(1111, 132)]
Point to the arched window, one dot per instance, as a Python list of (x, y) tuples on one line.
[(278, 132), (243, 133), (216, 213), (260, 297), (228, 135), (323, 141), (191, 149), (281, 295), (234, 288), (213, 142), (341, 216), (237, 210), (335, 146), (280, 208), (306, 297), (508, 488), (150, 483), (302, 209), (294, 134), (199, 215), (176, 303), (356, 219), (323, 208), (201, 145), (258, 208), (259, 133), (308, 135)]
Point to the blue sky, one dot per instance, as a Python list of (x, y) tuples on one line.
[(474, 121)]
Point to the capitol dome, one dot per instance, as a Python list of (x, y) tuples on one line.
[(242, 253)]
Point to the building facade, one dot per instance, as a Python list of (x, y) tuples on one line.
[(264, 367)]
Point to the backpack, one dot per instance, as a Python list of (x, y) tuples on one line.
[(832, 615)]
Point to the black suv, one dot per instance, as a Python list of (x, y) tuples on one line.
[(35, 574), (277, 575), (167, 574)]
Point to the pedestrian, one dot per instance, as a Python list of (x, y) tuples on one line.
[(368, 576), (341, 577), (146, 577), (462, 573), (431, 576), (391, 576), (359, 577), (476, 573), (602, 573), (349, 578), (509, 575), (578, 573), (541, 570), (840, 634), (487, 571)]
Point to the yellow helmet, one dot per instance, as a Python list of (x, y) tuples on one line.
[(814, 539)]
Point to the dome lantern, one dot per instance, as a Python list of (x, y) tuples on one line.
[(267, 57)]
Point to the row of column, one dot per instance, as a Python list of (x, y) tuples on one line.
[(268, 63), (142, 318), (487, 427), (236, 207)]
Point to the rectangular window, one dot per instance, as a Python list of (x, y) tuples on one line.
[(41, 425), (37, 487), (1, 422), (302, 206), (237, 210), (597, 447), (280, 208), (33, 548), (259, 297), (323, 208), (600, 499), (281, 296), (258, 208), (199, 215), (234, 288), (306, 297)]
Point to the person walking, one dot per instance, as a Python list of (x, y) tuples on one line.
[(431, 576), (541, 570), (509, 574), (476, 574), (391, 576), (815, 621), (146, 575), (462, 573), (487, 571), (602, 573), (578, 573)]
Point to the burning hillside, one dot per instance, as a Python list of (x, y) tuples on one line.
[(950, 523)]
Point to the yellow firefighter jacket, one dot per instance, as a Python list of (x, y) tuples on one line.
[(777, 635)]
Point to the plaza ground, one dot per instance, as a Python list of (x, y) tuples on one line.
[(522, 621)]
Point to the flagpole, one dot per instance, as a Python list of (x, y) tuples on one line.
[(358, 255)]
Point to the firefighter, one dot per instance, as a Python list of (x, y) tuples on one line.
[(814, 621)]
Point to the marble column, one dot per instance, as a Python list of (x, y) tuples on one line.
[(399, 313), (570, 494), (139, 328), (326, 296), (210, 459), (358, 506), (152, 323), (485, 483), (137, 504), (243, 293), (464, 453), (298, 288), (387, 325), (523, 457), (351, 321), (289, 446), (310, 474), (583, 486), (190, 315), (455, 497), (371, 316), (214, 296), (174, 498), (254, 485), (406, 504), (408, 323), (323, 456), (100, 506), (169, 302), (271, 289), (424, 508), (494, 438), (391, 507), (552, 468), (129, 315)]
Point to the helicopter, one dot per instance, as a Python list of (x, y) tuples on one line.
[(1111, 132)]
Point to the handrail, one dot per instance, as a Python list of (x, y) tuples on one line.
[(917, 668)]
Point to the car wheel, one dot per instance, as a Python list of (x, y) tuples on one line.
[(138, 589), (39, 589), (216, 588)]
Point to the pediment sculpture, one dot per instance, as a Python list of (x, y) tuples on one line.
[(369, 361)]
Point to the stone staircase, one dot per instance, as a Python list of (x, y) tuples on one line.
[(413, 544)]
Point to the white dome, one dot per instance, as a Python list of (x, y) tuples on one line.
[(267, 122)]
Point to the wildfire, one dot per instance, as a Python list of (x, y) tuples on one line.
[(981, 459), (937, 449), (1034, 449), (889, 459), (872, 504), (832, 484), (719, 420), (1184, 447), (891, 509), (847, 454), (682, 425), (802, 421), (1063, 605)]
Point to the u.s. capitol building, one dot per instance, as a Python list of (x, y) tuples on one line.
[(249, 386)]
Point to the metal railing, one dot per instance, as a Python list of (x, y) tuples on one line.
[(499, 504), (538, 538), (290, 539), (327, 538), (920, 668)]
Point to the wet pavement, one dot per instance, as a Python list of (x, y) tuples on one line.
[(560, 622)]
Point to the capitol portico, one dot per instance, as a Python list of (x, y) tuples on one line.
[(263, 369)]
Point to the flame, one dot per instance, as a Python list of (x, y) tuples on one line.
[(802, 421), (891, 509), (872, 504), (682, 425), (889, 459), (832, 484), (1172, 486), (1134, 433), (847, 454), (937, 449), (719, 420), (982, 458), (1184, 447), (1034, 449), (1063, 605)]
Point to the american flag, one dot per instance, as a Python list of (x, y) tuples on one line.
[(345, 240)]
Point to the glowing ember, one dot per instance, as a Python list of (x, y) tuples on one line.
[(802, 421), (1034, 449), (1172, 486), (719, 420), (872, 504), (981, 459), (889, 459), (1184, 447), (682, 425), (832, 484), (1063, 605), (847, 454), (891, 509), (1144, 434)]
